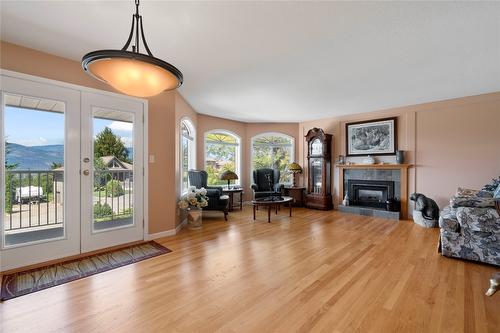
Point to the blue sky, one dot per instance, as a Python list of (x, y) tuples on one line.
[(38, 128)]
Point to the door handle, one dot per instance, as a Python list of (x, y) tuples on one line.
[(86, 172), (86, 160)]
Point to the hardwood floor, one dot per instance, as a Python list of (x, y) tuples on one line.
[(316, 272)]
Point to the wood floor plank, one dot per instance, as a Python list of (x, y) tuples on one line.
[(314, 272)]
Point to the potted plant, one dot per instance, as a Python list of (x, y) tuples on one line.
[(193, 202)]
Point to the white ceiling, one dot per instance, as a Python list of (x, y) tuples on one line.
[(286, 61)]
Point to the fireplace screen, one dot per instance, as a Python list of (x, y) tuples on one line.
[(370, 193)]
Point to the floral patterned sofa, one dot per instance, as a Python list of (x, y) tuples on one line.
[(470, 225)]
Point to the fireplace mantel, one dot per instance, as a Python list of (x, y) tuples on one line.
[(374, 166), (404, 180)]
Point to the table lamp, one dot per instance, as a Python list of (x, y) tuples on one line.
[(294, 168), (228, 175)]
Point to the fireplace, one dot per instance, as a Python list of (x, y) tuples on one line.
[(370, 193)]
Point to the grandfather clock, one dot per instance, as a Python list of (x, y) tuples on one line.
[(319, 156)]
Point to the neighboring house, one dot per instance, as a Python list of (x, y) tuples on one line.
[(120, 170)]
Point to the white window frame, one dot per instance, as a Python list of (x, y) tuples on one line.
[(289, 137), (238, 150), (191, 149)]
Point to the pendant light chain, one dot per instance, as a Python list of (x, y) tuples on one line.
[(137, 26)]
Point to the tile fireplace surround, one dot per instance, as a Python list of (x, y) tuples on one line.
[(398, 173)]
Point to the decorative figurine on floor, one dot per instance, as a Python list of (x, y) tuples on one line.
[(426, 211), (345, 202), (494, 284)]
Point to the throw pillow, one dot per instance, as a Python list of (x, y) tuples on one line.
[(472, 202), (496, 195), (467, 193), (491, 187)]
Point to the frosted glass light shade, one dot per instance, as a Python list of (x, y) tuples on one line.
[(133, 74)]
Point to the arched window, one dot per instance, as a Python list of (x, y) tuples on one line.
[(188, 151), (222, 152), (275, 151)]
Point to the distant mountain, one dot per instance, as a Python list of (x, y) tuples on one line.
[(39, 157), (34, 157)]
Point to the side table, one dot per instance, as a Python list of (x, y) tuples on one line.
[(297, 193), (230, 192)]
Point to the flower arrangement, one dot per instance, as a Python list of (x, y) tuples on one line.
[(194, 198)]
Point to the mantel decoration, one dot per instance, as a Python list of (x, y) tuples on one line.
[(375, 137), (193, 202), (228, 175), (294, 168), (132, 72)]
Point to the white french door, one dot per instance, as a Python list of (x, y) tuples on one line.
[(59, 195), (40, 221), (112, 186)]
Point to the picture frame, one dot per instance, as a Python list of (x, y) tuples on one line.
[(373, 137)]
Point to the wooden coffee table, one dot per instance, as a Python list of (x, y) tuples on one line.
[(272, 204)]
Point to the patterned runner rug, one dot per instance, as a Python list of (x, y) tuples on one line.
[(29, 281)]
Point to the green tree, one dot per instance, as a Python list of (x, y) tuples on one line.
[(101, 175), (272, 152), (114, 188), (108, 143), (55, 165), (222, 158), (10, 186)]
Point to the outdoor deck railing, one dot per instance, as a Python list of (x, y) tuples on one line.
[(35, 198), (114, 188), (32, 198)]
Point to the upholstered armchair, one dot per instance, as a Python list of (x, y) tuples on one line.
[(216, 200), (266, 183), (470, 226)]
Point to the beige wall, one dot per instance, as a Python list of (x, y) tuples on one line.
[(458, 144), (451, 143)]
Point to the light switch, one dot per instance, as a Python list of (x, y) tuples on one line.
[(151, 158)]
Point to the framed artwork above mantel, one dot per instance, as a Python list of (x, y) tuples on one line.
[(373, 137)]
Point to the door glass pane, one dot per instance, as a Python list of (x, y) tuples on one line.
[(113, 174), (34, 132)]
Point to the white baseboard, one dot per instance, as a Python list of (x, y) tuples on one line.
[(168, 233)]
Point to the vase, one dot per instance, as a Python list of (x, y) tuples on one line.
[(194, 216), (400, 156)]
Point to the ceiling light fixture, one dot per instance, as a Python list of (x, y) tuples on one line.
[(132, 72)]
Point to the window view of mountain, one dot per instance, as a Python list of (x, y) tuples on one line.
[(37, 157), (34, 157)]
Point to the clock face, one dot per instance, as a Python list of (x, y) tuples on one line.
[(316, 147)]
